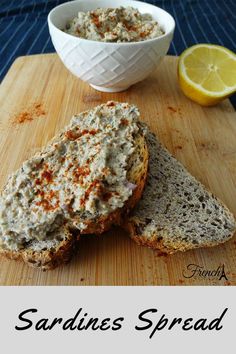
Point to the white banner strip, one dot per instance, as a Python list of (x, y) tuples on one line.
[(117, 319)]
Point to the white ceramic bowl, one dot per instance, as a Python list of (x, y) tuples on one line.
[(109, 67)]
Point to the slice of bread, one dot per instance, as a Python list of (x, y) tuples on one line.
[(48, 254), (176, 213), (88, 177)]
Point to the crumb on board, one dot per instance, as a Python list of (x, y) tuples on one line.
[(172, 109), (34, 111)]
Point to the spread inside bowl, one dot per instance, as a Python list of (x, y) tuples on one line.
[(123, 24)]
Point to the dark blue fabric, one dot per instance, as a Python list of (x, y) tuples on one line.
[(23, 26)]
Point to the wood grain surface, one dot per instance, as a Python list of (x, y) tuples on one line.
[(203, 139)]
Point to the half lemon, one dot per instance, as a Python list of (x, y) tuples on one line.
[(207, 73)]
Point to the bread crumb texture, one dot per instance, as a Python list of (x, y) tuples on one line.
[(176, 212)]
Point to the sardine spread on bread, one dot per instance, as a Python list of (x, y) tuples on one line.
[(176, 212), (56, 250), (85, 179)]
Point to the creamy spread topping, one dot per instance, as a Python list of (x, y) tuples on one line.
[(123, 24), (80, 175)]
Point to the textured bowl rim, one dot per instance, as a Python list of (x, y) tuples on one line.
[(151, 40)]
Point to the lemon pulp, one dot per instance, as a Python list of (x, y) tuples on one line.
[(207, 73)]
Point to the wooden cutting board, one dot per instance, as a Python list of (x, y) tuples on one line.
[(39, 88)]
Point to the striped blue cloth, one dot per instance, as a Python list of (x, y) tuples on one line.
[(24, 31)]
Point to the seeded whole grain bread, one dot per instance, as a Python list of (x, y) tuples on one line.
[(57, 250), (176, 213)]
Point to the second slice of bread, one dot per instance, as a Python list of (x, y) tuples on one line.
[(176, 213)]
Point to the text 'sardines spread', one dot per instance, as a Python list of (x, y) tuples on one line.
[(123, 24), (81, 173)]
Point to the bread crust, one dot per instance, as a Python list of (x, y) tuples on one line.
[(156, 242), (46, 259)]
